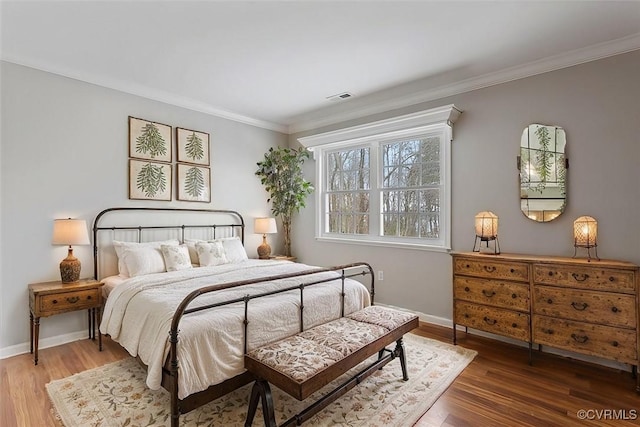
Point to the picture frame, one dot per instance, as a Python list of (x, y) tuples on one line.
[(149, 140), (194, 183), (150, 180), (192, 147)]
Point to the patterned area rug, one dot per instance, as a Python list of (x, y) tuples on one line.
[(116, 395)]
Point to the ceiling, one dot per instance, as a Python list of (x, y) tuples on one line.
[(273, 64)]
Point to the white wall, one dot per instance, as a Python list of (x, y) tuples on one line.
[(598, 106), (64, 154)]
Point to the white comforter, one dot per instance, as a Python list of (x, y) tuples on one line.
[(139, 311)]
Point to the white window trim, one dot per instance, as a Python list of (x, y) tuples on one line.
[(395, 127)]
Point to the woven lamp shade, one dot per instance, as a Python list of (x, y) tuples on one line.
[(585, 232), (486, 225)]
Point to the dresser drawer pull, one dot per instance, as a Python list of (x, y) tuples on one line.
[(89, 297), (612, 279), (514, 296), (615, 309), (466, 289), (512, 271), (615, 343), (579, 277), (489, 321), (489, 268), (580, 338), (549, 301), (487, 293), (547, 331), (55, 301), (73, 300), (580, 306), (514, 325)]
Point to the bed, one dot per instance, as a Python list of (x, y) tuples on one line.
[(192, 326)]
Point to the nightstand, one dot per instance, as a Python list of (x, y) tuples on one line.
[(51, 298), (284, 257)]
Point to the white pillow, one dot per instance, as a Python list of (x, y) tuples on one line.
[(176, 257), (120, 247), (143, 260), (233, 249), (193, 254), (211, 253)]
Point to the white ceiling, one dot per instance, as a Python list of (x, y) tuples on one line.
[(273, 64)]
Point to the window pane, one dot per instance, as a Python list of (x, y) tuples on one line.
[(348, 179)]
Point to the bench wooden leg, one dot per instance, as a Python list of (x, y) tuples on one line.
[(403, 360), (261, 392)]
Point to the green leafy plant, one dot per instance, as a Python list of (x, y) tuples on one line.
[(194, 147), (151, 141), (281, 174), (151, 180), (194, 182), (544, 157)]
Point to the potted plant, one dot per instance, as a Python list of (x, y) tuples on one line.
[(281, 174)]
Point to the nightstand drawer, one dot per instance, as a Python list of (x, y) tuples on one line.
[(583, 277), (589, 306), (497, 293), (595, 340), (491, 269), (69, 301), (495, 320)]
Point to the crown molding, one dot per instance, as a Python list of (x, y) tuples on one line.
[(145, 92), (552, 63)]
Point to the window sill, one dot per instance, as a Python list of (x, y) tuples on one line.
[(388, 244)]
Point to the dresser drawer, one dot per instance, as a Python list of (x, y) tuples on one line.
[(495, 320), (69, 301), (491, 269), (584, 277), (588, 306), (595, 340), (499, 293)]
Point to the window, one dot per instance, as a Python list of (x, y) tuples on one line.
[(386, 183)]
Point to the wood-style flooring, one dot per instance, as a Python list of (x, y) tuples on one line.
[(498, 388)]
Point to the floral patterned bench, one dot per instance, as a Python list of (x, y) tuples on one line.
[(303, 363)]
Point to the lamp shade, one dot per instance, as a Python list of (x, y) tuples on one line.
[(585, 232), (486, 225), (265, 226), (70, 232)]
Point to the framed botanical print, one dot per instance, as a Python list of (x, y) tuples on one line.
[(192, 146), (194, 183), (149, 180), (149, 140)]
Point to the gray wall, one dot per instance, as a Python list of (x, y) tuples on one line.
[(598, 106), (64, 154)]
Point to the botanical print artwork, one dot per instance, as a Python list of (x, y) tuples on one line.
[(149, 180), (149, 140), (192, 146), (194, 183)]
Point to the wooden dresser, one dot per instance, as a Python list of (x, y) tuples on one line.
[(587, 307)]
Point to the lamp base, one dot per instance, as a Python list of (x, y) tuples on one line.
[(478, 247), (264, 250), (70, 268)]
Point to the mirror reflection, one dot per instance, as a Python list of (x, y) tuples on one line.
[(543, 172)]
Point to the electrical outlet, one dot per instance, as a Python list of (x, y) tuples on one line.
[(380, 275)]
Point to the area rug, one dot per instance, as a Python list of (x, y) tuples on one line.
[(116, 395)]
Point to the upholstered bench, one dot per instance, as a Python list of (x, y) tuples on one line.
[(303, 363)]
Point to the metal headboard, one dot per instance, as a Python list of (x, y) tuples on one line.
[(235, 224)]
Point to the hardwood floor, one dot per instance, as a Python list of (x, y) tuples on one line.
[(498, 388)]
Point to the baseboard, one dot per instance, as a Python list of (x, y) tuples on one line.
[(18, 349)]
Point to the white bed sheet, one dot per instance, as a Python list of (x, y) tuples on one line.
[(110, 283), (139, 311)]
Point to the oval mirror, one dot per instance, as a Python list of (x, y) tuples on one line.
[(543, 172)]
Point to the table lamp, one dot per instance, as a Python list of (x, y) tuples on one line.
[(70, 232), (585, 235), (264, 226), (486, 224)]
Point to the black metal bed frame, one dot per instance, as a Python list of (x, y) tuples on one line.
[(191, 402)]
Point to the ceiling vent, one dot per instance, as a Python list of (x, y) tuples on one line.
[(340, 96)]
